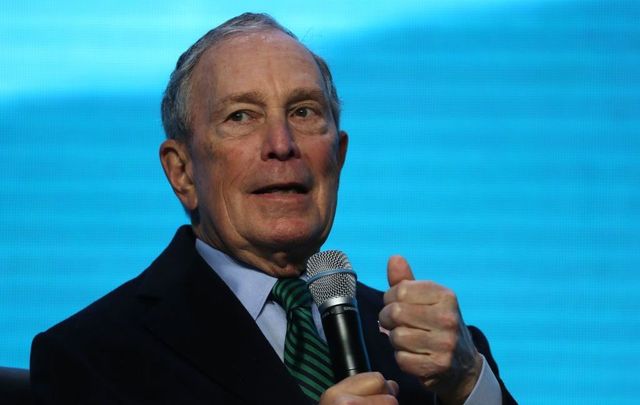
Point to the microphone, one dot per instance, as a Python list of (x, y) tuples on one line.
[(332, 284)]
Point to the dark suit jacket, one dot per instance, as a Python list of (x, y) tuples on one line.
[(176, 334)]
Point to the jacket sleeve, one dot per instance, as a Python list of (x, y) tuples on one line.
[(482, 344)]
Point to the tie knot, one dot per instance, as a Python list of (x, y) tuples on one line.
[(291, 293)]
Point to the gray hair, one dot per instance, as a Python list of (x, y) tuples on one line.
[(175, 102)]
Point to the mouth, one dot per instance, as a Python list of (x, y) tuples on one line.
[(284, 188)]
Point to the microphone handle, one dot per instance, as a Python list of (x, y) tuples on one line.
[(343, 331)]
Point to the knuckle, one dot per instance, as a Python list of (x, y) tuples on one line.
[(403, 289), (404, 338), (449, 320), (449, 343), (379, 380), (401, 359), (394, 337), (424, 369), (444, 361), (399, 334), (329, 394), (449, 296), (395, 311)]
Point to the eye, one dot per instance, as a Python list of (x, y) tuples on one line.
[(239, 116), (303, 112)]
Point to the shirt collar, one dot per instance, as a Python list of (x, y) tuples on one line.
[(251, 286)]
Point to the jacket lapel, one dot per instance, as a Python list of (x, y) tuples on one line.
[(197, 315)]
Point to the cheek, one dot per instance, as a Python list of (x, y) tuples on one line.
[(326, 169), (331, 170), (323, 155), (219, 166), (209, 176)]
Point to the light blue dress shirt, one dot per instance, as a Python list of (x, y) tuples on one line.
[(252, 288)]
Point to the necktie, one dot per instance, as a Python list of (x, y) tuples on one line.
[(306, 355)]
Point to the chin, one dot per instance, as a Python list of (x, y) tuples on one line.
[(294, 248), (296, 240), (293, 233), (287, 272)]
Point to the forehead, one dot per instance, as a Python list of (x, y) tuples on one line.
[(256, 62)]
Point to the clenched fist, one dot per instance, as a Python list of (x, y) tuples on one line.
[(426, 329), (362, 389)]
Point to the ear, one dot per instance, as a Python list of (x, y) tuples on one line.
[(176, 162), (343, 142)]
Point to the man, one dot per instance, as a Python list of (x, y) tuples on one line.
[(254, 153)]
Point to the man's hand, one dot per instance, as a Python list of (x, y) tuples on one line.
[(365, 388), (426, 329)]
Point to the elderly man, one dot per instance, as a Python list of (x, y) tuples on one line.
[(254, 153)]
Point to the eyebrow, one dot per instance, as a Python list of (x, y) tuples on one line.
[(250, 97), (255, 97), (302, 94)]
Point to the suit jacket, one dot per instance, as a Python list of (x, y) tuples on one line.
[(176, 334)]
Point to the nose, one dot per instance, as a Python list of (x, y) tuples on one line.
[(279, 142)]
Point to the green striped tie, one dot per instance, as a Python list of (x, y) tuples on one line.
[(306, 355)]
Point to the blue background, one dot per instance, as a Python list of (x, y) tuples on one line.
[(495, 144)]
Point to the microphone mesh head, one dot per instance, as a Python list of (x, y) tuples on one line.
[(333, 285)]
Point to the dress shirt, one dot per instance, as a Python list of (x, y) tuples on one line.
[(252, 288)]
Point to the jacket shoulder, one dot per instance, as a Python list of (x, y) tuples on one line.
[(123, 303)]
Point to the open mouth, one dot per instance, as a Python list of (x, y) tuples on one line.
[(289, 188)]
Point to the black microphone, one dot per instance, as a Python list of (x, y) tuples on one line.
[(332, 283)]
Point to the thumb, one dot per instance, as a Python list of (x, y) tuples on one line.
[(398, 269)]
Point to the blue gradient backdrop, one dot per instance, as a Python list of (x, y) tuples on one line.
[(496, 144)]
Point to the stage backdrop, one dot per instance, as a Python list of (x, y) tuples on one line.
[(496, 144)]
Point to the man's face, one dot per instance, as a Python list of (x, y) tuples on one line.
[(265, 154)]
